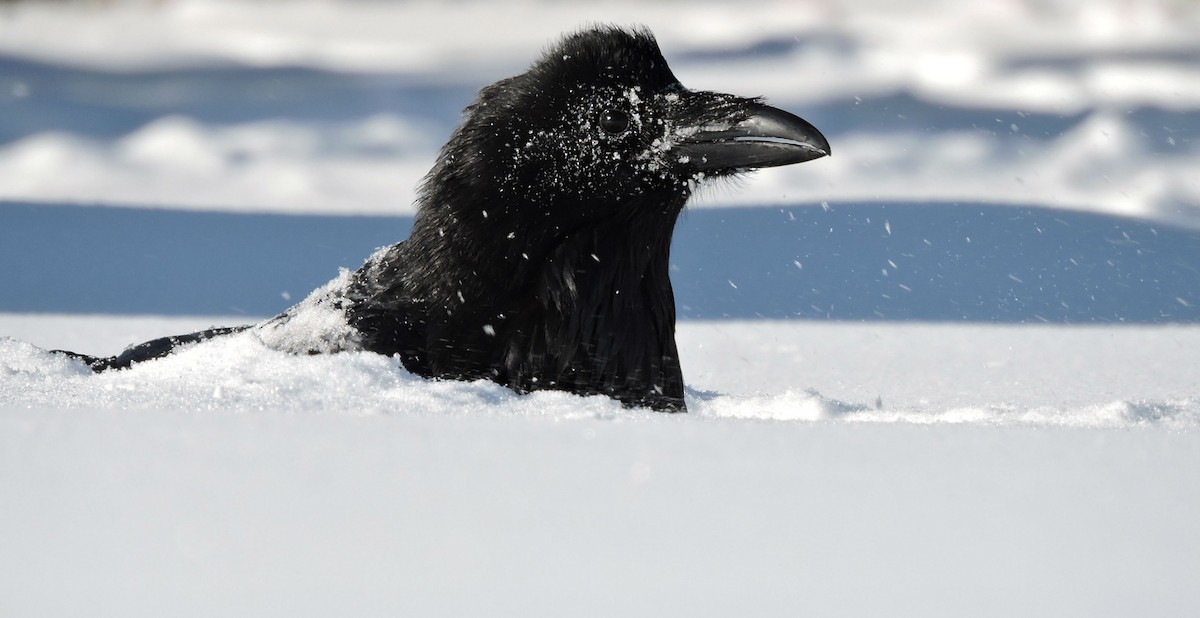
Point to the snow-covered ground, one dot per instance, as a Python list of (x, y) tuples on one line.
[(950, 370), (941, 470), (882, 372)]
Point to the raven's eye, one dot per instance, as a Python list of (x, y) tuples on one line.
[(614, 122)]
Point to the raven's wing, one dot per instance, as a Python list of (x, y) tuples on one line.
[(150, 350)]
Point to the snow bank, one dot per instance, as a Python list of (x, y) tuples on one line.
[(1105, 164), (782, 371), (339, 107), (367, 166)]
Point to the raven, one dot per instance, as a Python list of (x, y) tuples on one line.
[(539, 253)]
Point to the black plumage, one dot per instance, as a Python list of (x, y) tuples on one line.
[(539, 254)]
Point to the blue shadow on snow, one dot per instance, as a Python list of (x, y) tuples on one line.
[(874, 261)]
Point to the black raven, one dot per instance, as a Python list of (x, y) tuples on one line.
[(539, 253)]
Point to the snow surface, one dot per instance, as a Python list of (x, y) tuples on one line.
[(120, 513), (339, 107), (948, 371), (936, 470), (1024, 375)]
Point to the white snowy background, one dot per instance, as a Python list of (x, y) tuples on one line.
[(950, 370)]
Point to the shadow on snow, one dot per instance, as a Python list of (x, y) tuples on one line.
[(873, 261), (106, 105)]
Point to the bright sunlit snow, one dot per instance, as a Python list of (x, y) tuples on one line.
[(323, 107), (948, 371)]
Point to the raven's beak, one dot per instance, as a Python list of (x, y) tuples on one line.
[(763, 136)]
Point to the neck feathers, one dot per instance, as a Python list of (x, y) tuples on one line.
[(602, 316)]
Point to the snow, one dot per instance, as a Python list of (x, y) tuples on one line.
[(283, 514), (315, 325), (322, 107), (946, 469), (879, 373), (949, 370)]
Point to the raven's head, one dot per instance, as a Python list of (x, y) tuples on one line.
[(599, 121)]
